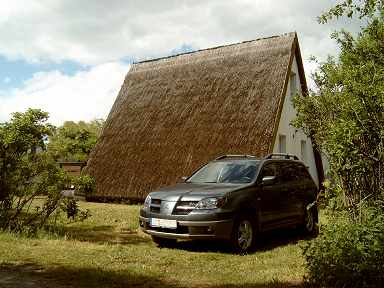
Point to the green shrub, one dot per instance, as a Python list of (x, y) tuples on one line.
[(85, 185), (348, 254), (72, 210), (27, 171), (344, 115), (70, 207)]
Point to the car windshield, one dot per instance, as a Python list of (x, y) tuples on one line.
[(226, 172)]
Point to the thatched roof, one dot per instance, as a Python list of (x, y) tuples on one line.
[(174, 114)]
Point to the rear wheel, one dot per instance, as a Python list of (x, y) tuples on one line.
[(309, 225), (243, 235), (164, 242)]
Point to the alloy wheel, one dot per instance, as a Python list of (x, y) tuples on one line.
[(245, 235), (309, 222)]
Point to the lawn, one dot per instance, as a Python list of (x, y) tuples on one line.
[(108, 250)]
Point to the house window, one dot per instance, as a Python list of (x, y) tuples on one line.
[(282, 144), (293, 87), (303, 145)]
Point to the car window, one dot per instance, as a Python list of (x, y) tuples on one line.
[(226, 172), (288, 172), (283, 171), (269, 169), (303, 173)]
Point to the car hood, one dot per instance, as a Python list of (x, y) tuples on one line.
[(193, 191)]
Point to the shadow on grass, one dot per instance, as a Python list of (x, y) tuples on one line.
[(265, 241), (33, 276), (103, 234), (106, 234), (281, 237)]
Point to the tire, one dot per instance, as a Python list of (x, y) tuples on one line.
[(310, 225), (164, 242), (243, 234)]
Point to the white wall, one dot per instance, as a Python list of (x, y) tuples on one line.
[(293, 135)]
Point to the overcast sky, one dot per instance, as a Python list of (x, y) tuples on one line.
[(70, 57)]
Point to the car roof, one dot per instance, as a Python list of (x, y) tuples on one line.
[(279, 157), (237, 160)]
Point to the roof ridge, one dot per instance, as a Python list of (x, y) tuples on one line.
[(213, 48)]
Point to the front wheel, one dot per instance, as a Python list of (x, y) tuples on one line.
[(243, 235), (164, 242)]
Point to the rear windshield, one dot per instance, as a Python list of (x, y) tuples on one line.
[(226, 172)]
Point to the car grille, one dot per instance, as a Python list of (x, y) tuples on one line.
[(181, 208), (184, 207)]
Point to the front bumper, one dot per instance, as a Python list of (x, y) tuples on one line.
[(219, 229)]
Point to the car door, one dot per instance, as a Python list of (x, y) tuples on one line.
[(272, 199), (292, 190), (306, 189)]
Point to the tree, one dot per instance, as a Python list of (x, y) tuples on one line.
[(26, 171), (363, 8), (345, 115), (74, 141)]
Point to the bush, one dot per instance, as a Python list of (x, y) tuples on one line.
[(348, 254), (85, 185), (70, 207), (72, 210), (344, 115), (26, 172)]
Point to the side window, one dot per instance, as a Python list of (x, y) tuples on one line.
[(288, 172), (268, 169), (303, 173)]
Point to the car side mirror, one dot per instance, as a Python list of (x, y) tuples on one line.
[(268, 180)]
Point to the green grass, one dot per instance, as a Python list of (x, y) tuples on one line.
[(108, 250)]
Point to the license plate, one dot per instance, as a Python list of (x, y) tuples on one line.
[(163, 223)]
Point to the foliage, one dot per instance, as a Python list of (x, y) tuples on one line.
[(74, 141), (345, 116), (72, 210), (85, 185), (27, 171), (70, 207), (363, 8), (348, 254)]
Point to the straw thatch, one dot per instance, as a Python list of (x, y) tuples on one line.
[(174, 114)]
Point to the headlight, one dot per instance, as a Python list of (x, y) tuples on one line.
[(211, 203), (147, 202)]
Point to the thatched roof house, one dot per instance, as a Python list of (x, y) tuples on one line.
[(176, 113)]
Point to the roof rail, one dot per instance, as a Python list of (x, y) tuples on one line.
[(281, 155), (234, 156)]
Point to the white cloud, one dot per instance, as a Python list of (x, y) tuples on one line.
[(6, 80), (94, 32), (84, 96)]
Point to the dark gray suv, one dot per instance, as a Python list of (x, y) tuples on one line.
[(233, 198)]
